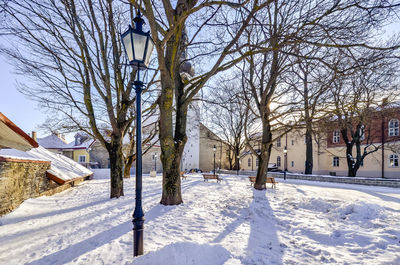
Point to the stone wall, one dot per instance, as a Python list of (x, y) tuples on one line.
[(21, 180), (393, 183)]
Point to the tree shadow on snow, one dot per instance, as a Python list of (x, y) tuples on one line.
[(263, 246), (72, 252)]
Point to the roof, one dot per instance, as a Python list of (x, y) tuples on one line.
[(52, 142), (62, 169), (85, 145), (11, 136)]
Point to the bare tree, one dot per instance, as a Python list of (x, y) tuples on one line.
[(310, 80), (226, 110), (71, 51), (281, 28), (213, 29), (356, 98)]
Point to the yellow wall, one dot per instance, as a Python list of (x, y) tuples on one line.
[(372, 163), (323, 158), (81, 152), (296, 153)]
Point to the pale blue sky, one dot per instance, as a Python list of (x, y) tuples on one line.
[(19, 109), (25, 113)]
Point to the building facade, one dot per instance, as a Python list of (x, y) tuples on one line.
[(329, 151)]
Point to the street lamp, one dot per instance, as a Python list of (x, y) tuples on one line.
[(285, 154), (138, 47), (214, 149), (155, 162)]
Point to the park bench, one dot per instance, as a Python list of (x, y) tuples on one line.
[(183, 176), (267, 180), (211, 176)]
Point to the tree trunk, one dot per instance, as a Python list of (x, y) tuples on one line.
[(130, 157), (128, 166), (116, 168), (309, 151), (351, 164), (172, 146), (309, 147), (171, 194), (266, 145), (351, 172)]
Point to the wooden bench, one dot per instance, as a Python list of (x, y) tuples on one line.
[(183, 176), (211, 176), (267, 180)]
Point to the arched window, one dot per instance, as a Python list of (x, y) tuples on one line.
[(249, 162), (336, 136), (278, 161), (393, 127), (394, 160)]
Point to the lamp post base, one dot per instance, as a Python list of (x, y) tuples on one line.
[(138, 225)]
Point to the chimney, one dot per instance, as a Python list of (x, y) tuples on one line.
[(34, 135)]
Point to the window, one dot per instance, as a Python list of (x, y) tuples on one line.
[(82, 159), (278, 161), (335, 162), (292, 163), (249, 162), (278, 142), (393, 127), (394, 160), (336, 136), (292, 142), (257, 162)]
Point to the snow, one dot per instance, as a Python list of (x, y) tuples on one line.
[(52, 141), (61, 166), (85, 145), (228, 223)]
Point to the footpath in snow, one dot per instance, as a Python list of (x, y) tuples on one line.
[(226, 223)]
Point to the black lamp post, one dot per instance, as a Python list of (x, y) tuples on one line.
[(214, 149), (138, 46), (155, 162), (285, 154)]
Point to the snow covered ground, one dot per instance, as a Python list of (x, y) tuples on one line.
[(229, 223)]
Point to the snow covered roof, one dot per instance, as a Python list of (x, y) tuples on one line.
[(85, 145), (11, 136), (62, 169), (52, 141)]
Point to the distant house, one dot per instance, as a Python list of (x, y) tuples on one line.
[(78, 150), (28, 170)]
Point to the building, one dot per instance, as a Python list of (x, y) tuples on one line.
[(382, 133), (78, 150), (28, 170), (329, 150)]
